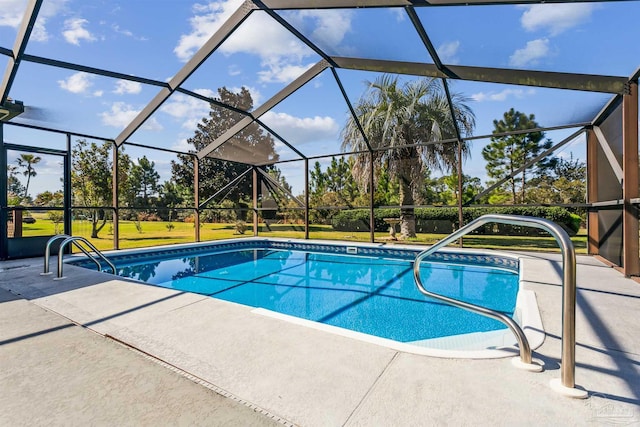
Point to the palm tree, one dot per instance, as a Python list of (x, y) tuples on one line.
[(27, 161), (401, 123)]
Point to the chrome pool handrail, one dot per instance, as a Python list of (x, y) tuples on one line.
[(75, 240), (47, 251), (568, 338)]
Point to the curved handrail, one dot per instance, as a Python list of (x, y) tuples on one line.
[(47, 251), (568, 287), (74, 240)]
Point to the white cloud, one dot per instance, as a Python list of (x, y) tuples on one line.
[(187, 109), (206, 92), (77, 83), (98, 93), (12, 12), (448, 51), (183, 146), (121, 114), (207, 19), (282, 74), (531, 53), (127, 87), (74, 31), (265, 38), (279, 51), (297, 130), (502, 96), (116, 28), (555, 18), (190, 111), (330, 26), (399, 13), (234, 70)]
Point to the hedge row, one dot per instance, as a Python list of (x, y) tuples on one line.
[(443, 220)]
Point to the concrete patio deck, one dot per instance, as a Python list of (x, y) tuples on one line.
[(267, 370)]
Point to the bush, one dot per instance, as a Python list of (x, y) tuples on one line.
[(430, 220), (241, 227), (148, 216)]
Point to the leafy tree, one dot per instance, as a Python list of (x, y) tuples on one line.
[(506, 154), (340, 180), (276, 174), (317, 183), (14, 186), (27, 161), (144, 181), (47, 198), (250, 146), (171, 194), (571, 169), (56, 217), (317, 192), (500, 196), (429, 191), (387, 189), (448, 188), (92, 179), (334, 187), (401, 123), (565, 184)]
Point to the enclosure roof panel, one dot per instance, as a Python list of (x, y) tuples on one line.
[(146, 73)]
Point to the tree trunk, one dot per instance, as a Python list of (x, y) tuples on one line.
[(26, 187), (524, 183), (407, 214), (95, 229)]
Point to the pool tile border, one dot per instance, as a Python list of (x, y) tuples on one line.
[(371, 250)]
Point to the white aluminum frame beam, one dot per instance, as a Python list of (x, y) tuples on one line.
[(608, 152), (348, 4), (22, 38), (584, 82)]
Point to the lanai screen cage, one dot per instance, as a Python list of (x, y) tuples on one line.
[(151, 121)]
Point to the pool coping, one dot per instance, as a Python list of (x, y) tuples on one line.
[(500, 343)]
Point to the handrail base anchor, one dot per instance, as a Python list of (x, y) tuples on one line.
[(534, 366), (573, 392)]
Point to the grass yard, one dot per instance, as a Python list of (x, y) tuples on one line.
[(156, 233)]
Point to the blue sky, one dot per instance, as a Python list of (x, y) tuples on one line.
[(155, 38)]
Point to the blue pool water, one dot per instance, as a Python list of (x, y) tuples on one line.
[(372, 295)]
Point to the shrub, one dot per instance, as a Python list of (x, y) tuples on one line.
[(241, 227), (147, 216), (427, 218), (56, 217)]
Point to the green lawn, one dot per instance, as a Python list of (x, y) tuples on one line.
[(155, 233)]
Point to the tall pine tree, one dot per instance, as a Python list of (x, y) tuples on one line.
[(506, 154), (252, 145)]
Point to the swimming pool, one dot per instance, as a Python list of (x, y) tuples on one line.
[(368, 289)]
